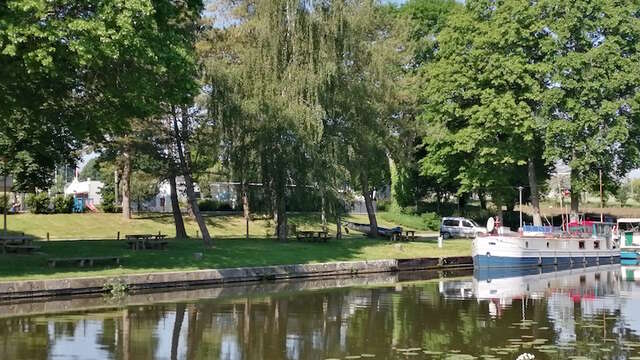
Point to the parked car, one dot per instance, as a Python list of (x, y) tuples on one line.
[(459, 227)]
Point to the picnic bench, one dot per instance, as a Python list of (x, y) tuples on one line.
[(17, 243), (312, 235), (146, 241), (408, 235), (82, 261)]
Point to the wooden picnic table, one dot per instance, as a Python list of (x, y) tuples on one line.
[(146, 241), (17, 243), (409, 235), (312, 235)]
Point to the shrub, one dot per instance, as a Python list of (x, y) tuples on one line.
[(431, 221), (213, 205), (108, 203), (409, 210), (38, 203), (383, 205), (225, 207), (63, 204), (208, 205)]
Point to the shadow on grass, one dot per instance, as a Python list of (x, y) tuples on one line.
[(178, 256)]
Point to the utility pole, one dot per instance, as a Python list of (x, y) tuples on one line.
[(4, 194), (601, 199), (115, 185), (520, 191)]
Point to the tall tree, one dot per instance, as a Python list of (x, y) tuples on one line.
[(483, 99), (72, 71), (593, 105)]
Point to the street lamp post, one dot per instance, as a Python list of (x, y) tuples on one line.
[(601, 199), (520, 207), (4, 194)]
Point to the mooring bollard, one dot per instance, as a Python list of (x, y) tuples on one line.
[(440, 241), (118, 238), (47, 236)]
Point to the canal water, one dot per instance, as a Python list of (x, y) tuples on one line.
[(586, 313)]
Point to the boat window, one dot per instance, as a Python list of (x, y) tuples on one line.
[(581, 244), (596, 244), (526, 244), (547, 244)]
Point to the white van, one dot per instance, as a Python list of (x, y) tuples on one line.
[(451, 227)]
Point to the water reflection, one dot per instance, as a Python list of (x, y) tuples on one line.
[(592, 312)]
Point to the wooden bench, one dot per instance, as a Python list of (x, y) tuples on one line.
[(82, 261), (17, 248), (312, 235), (17, 243)]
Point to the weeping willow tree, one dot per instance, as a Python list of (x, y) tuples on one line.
[(364, 98), (302, 90), (265, 73)]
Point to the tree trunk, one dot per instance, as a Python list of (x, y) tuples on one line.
[(338, 225), (245, 200), (281, 211), (483, 200), (181, 232), (190, 212), (245, 206), (126, 183), (177, 327), (194, 207), (462, 202), (126, 331), (575, 196), (185, 164), (368, 203), (535, 201), (323, 214), (498, 201)]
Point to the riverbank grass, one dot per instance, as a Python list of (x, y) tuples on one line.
[(226, 253), (106, 226)]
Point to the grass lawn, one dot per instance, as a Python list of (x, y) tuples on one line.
[(94, 235), (106, 226), (226, 253)]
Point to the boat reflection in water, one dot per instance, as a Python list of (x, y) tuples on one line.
[(591, 313), (600, 294)]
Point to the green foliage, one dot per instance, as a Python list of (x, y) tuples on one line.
[(592, 109), (384, 205), (62, 204), (144, 186), (424, 222), (91, 170), (428, 17), (61, 60), (38, 203), (623, 194), (116, 288), (108, 194), (213, 205), (431, 220), (482, 95)]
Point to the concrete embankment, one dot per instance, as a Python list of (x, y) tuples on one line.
[(184, 279)]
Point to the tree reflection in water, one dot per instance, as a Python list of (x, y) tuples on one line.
[(334, 323)]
